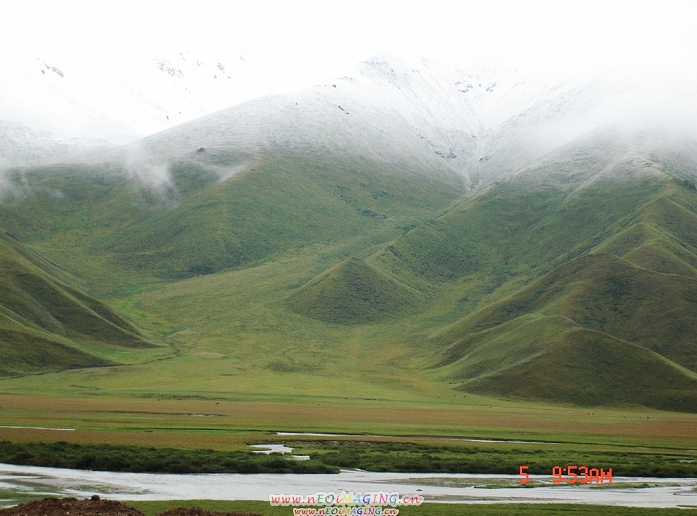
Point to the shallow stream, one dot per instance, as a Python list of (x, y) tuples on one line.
[(460, 488)]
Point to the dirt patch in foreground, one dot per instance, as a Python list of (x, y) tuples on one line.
[(96, 506)]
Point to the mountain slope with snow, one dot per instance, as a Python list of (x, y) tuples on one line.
[(430, 116), (478, 123), (65, 103)]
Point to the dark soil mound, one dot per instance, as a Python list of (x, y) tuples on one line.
[(72, 507)]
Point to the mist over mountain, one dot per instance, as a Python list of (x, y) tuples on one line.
[(478, 121)]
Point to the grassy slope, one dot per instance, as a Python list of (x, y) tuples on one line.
[(280, 204), (353, 293), (607, 294), (239, 328), (47, 323), (591, 368), (291, 315), (119, 236), (528, 337), (197, 224), (61, 211)]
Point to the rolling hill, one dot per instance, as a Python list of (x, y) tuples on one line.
[(626, 283), (353, 292), (47, 323)]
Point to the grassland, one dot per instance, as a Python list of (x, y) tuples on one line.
[(48, 323), (433, 509), (425, 436)]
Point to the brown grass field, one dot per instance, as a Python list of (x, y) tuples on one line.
[(229, 424)]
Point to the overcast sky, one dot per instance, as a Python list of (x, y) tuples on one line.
[(292, 44), (311, 36)]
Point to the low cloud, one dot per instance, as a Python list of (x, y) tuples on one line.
[(147, 169), (225, 173), (13, 182), (632, 106), (4, 183)]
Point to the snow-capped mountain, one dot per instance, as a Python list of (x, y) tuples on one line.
[(51, 107), (479, 122)]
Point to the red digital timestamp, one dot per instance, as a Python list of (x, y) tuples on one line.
[(574, 474)]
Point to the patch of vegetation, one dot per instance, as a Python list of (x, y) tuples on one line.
[(285, 203), (591, 368), (245, 276), (424, 458), (330, 456), (140, 459), (597, 330)]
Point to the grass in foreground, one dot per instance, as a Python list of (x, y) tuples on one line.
[(430, 509)]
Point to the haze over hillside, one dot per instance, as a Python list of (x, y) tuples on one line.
[(477, 121)]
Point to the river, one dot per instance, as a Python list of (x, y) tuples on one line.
[(457, 488)]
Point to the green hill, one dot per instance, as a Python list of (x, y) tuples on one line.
[(596, 331), (651, 248), (353, 292), (573, 280), (633, 293), (47, 323), (592, 368), (199, 223), (607, 294), (518, 227)]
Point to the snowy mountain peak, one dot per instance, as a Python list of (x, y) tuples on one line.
[(480, 122), (73, 103)]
